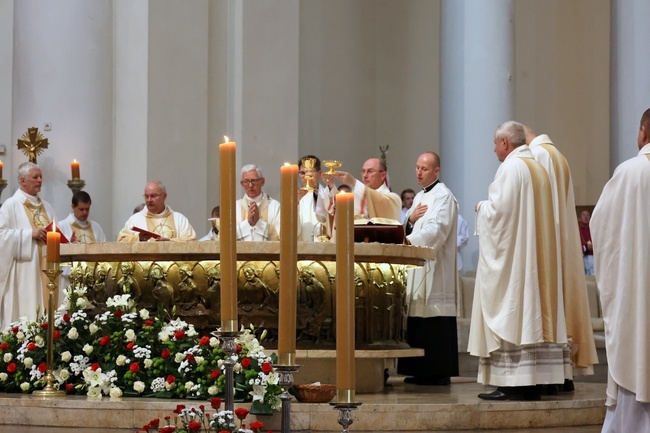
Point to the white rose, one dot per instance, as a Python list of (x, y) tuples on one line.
[(220, 363), (163, 336), (66, 356), (121, 360), (237, 368), (28, 362), (93, 328), (170, 386), (199, 360), (88, 349), (3, 377), (39, 341), (213, 390), (20, 336), (214, 342), (188, 385), (64, 374), (144, 314), (7, 357), (73, 334), (148, 363), (130, 335), (24, 386), (139, 386), (179, 357), (95, 392), (116, 392)]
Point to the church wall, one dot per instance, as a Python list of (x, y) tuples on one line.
[(6, 78)]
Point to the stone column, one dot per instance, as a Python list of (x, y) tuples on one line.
[(477, 91), (630, 75), (6, 78)]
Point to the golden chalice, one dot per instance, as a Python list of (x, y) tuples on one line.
[(308, 170), (332, 164)]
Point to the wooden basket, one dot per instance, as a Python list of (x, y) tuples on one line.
[(315, 393)]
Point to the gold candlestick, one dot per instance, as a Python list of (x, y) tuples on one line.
[(49, 390), (76, 185)]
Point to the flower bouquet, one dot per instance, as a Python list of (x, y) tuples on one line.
[(126, 352)]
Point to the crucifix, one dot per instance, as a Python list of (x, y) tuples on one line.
[(32, 143)]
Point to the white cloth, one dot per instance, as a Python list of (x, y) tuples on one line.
[(462, 236), (621, 238), (20, 261), (312, 212), (66, 228), (211, 236), (572, 286), (183, 231), (431, 289), (515, 297), (403, 218), (380, 202), (267, 227), (628, 415)]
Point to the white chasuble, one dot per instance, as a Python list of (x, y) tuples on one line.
[(377, 203), (267, 227), (169, 224)]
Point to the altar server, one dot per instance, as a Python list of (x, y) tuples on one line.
[(77, 227)]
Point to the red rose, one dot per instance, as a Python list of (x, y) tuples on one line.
[(165, 353), (238, 348), (179, 408), (179, 334), (215, 374), (118, 313), (267, 367), (148, 323), (204, 341), (31, 347), (56, 334), (130, 345), (11, 368), (105, 340), (190, 357), (168, 429), (94, 366), (246, 362), (44, 325), (154, 423), (215, 402), (194, 426), (241, 412), (256, 425), (42, 367), (66, 317), (170, 379), (134, 367), (69, 387), (167, 418), (15, 330), (4, 345)]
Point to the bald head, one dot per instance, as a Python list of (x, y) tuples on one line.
[(644, 129), (427, 168), (155, 195)]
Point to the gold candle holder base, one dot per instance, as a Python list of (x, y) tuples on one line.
[(76, 184), (49, 391), (3, 185)]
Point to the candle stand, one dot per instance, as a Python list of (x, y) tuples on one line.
[(3, 185), (229, 346), (285, 373), (345, 418), (76, 184), (53, 271)]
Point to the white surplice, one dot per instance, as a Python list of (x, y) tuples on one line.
[(621, 238), (313, 211), (20, 260), (67, 228), (159, 224), (515, 324), (572, 284), (431, 289), (267, 227)]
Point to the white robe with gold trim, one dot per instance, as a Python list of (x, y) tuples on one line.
[(312, 212), (183, 229), (66, 228), (267, 227), (380, 202)]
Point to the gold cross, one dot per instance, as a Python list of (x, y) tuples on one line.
[(32, 143)]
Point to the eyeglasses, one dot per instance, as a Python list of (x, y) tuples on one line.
[(151, 196), (371, 171), (247, 182)]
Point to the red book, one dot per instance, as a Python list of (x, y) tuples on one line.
[(146, 232), (64, 240)]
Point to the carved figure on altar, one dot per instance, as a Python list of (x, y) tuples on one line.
[(213, 296), (163, 292), (127, 283), (188, 294), (99, 292), (255, 291), (313, 298)]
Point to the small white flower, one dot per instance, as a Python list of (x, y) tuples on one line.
[(130, 335), (144, 314), (3, 377), (73, 334), (148, 363), (66, 356), (24, 386), (116, 392), (64, 374), (139, 386), (191, 332), (28, 362), (88, 349), (214, 342), (237, 368), (179, 357), (188, 385), (121, 360), (213, 390), (39, 341), (7, 357), (93, 328), (199, 360), (95, 392), (20, 336), (163, 336)]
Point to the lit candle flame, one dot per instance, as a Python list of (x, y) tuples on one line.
[(53, 226), (286, 164), (225, 137), (74, 160)]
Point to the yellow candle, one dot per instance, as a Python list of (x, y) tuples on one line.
[(345, 324), (74, 166), (288, 264), (228, 235), (53, 245), (0, 169)]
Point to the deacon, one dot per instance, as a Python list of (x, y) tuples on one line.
[(572, 284), (23, 218), (372, 196), (213, 234), (257, 214), (517, 328), (621, 237), (316, 205), (157, 218), (77, 228), (431, 290)]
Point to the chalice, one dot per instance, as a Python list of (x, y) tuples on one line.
[(332, 164)]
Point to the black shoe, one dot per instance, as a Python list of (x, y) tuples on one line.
[(568, 386), (494, 395), (516, 393), (428, 380), (552, 389)]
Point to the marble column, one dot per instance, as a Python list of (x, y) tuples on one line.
[(6, 78), (477, 95), (630, 75)]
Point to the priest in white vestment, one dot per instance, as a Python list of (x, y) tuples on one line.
[(572, 283), (517, 327), (316, 204), (257, 214), (372, 196), (23, 218), (621, 237), (213, 234), (77, 227), (431, 289), (157, 218)]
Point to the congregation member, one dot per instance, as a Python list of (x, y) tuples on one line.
[(407, 197), (572, 286), (316, 205), (372, 196), (157, 218), (257, 214), (517, 328), (431, 289), (213, 234), (585, 240), (621, 237), (23, 218), (77, 228)]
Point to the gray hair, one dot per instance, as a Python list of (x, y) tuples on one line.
[(25, 168), (513, 131), (251, 167), (160, 185)]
